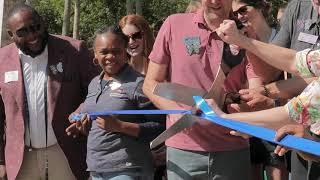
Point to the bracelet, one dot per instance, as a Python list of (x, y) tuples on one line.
[(266, 91)]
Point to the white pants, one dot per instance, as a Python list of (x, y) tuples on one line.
[(33, 165)]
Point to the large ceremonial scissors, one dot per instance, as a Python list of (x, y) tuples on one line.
[(184, 94)]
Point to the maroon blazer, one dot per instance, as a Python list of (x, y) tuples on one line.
[(66, 90)]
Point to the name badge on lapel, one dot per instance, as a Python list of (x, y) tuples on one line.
[(308, 38), (192, 45), (10, 76)]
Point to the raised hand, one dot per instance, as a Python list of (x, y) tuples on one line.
[(296, 130), (229, 33), (256, 100)]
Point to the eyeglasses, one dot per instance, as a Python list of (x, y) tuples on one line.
[(136, 35), (23, 32), (243, 11)]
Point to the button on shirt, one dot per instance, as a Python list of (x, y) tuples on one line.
[(34, 75)]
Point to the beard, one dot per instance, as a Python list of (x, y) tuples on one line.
[(26, 50)]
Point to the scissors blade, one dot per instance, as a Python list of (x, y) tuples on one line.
[(184, 95), (185, 121), (177, 92), (216, 91)]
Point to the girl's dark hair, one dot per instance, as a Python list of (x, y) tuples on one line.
[(114, 30)]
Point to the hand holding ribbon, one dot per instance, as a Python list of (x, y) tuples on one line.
[(78, 127)]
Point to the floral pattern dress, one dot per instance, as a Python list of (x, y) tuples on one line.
[(305, 108)]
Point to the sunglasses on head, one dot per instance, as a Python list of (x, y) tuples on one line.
[(24, 31), (243, 10), (136, 35)]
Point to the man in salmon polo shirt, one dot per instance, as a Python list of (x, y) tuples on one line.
[(189, 52)]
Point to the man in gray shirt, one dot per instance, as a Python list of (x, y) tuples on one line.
[(300, 25), (300, 30)]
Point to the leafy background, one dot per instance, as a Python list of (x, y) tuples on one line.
[(96, 13)]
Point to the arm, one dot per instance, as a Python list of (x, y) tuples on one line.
[(283, 89), (112, 124), (145, 131), (280, 58), (263, 70), (303, 109), (296, 130), (270, 118), (157, 73), (152, 124), (160, 59), (146, 128)]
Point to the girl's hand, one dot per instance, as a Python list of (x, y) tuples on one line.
[(109, 123)]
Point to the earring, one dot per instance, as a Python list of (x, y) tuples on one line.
[(95, 61)]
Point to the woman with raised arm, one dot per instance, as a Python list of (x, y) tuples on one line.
[(254, 15), (303, 109)]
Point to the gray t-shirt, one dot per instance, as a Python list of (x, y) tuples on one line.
[(117, 152), (300, 16)]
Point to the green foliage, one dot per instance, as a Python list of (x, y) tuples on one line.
[(52, 12), (157, 10), (97, 13)]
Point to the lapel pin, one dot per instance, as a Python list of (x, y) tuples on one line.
[(54, 69), (60, 67)]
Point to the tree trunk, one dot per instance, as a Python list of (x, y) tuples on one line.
[(66, 17), (139, 7), (129, 6), (76, 20)]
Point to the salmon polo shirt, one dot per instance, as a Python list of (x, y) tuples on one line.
[(193, 54)]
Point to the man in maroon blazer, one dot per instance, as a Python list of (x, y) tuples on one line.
[(43, 78)]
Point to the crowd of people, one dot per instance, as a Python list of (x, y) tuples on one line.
[(48, 80)]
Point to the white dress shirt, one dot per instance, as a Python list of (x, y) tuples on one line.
[(35, 75)]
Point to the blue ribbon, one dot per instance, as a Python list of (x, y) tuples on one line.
[(94, 115), (290, 141)]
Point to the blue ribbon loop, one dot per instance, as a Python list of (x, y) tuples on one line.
[(290, 141)]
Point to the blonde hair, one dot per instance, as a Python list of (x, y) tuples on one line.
[(193, 6)]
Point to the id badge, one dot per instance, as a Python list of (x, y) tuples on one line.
[(307, 38)]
